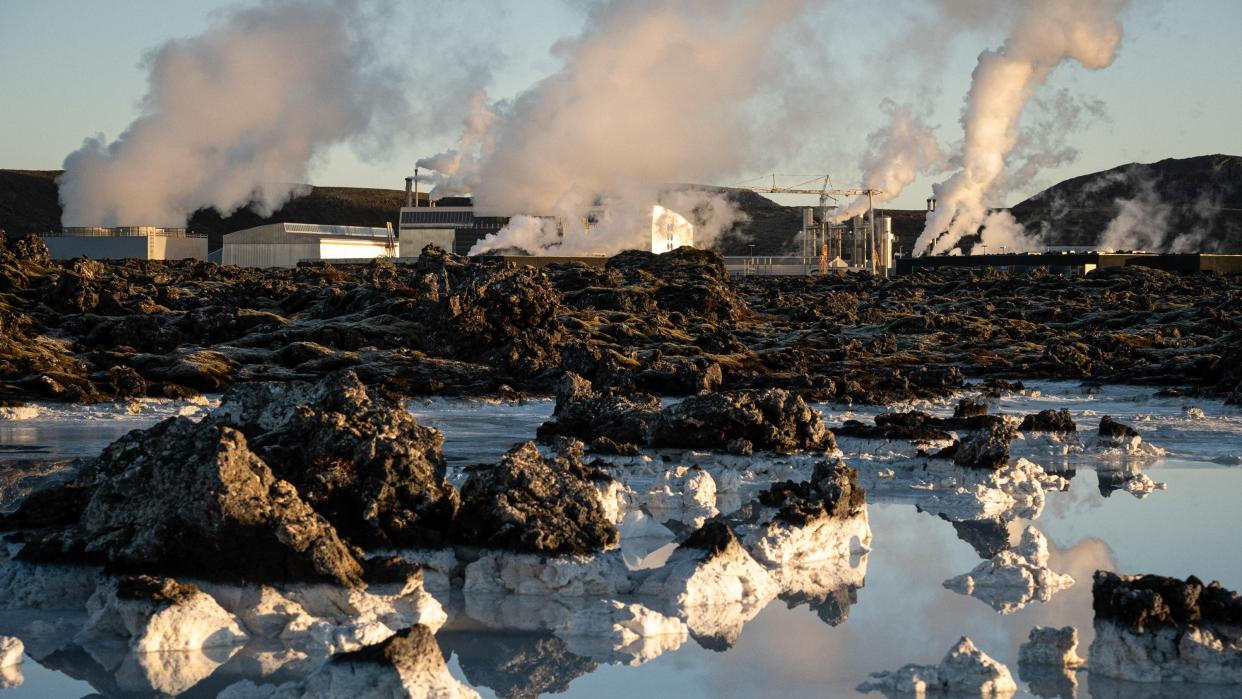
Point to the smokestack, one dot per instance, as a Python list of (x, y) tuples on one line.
[(409, 192)]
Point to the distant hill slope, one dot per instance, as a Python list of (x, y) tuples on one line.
[(1194, 203), (1197, 200)]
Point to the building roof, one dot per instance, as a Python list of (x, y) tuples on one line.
[(293, 232)]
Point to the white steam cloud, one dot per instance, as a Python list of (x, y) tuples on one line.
[(652, 92), (1046, 34), (897, 153), (236, 115)]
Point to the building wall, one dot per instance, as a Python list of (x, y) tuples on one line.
[(344, 249), (412, 240), (161, 247), (99, 247), (267, 254)]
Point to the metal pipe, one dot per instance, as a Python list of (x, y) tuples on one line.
[(871, 217)]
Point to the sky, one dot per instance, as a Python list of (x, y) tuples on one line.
[(75, 69)]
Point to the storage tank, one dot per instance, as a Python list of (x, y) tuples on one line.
[(884, 243)]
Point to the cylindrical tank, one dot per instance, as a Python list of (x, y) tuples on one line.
[(884, 241), (808, 217)]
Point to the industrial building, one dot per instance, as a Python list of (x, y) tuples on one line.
[(287, 244), (127, 242), (1076, 263)]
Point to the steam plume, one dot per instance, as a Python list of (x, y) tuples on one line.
[(233, 116), (896, 154), (651, 92), (1047, 33)]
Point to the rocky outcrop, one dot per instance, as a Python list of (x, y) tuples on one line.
[(1013, 578), (987, 448), (964, 671), (1059, 421), (772, 420), (359, 458), (189, 499), (532, 504), (588, 415), (1149, 628)]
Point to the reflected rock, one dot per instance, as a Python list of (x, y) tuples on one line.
[(516, 665), (1048, 659), (960, 494), (168, 672), (712, 583), (160, 614), (326, 619), (1109, 688), (617, 632), (987, 537), (1129, 478), (496, 572), (831, 606), (1013, 578), (11, 676), (25, 585), (964, 671), (1150, 628), (11, 652), (408, 664)]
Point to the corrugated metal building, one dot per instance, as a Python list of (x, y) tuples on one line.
[(286, 244), (131, 242)]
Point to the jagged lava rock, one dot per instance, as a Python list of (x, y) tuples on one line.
[(742, 422), (987, 448), (183, 498), (160, 614), (360, 459), (589, 415), (964, 671), (1049, 421), (530, 504), (1149, 628)]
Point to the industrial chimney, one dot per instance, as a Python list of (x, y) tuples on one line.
[(409, 192)]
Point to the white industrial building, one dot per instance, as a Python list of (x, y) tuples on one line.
[(287, 244), (129, 242)]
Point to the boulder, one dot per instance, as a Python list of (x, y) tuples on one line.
[(11, 651), (589, 415), (532, 504), (1049, 420), (182, 498), (1150, 628), (359, 458), (1046, 645), (986, 448), (743, 422)]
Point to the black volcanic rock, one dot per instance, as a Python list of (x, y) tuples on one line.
[(1140, 602), (589, 415), (359, 458), (742, 422), (187, 499), (532, 504), (1115, 430), (1049, 421), (832, 492), (986, 448)]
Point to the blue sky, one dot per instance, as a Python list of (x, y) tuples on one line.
[(72, 69)]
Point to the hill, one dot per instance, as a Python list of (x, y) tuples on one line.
[(1178, 205), (1186, 204)]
